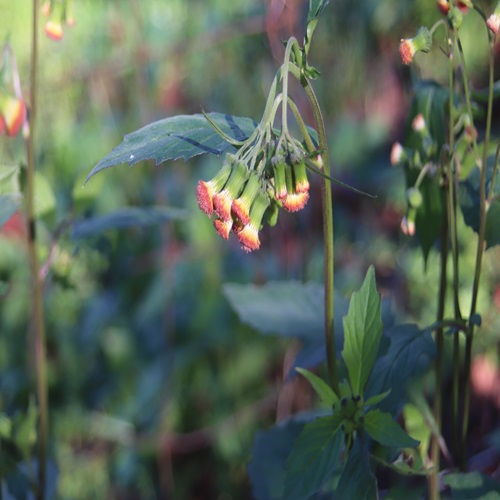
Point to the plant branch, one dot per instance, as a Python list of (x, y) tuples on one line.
[(38, 320)]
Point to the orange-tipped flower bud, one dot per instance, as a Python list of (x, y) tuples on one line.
[(249, 235), (407, 226), (421, 42), (232, 189), (13, 113), (279, 168), (418, 123), (295, 201), (398, 154), (205, 191), (241, 206), (443, 6), (223, 227), (53, 29), (301, 183)]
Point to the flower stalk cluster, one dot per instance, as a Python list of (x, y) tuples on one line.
[(268, 172)]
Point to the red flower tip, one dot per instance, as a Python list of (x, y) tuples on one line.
[(249, 238), (204, 194), (418, 123), (406, 51), (464, 6), (443, 6), (295, 201), (493, 22), (53, 29), (397, 154), (2, 125), (223, 227), (222, 204), (407, 226), (70, 21), (240, 210)]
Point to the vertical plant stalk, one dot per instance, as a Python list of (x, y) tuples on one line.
[(438, 395), (38, 321), (328, 234), (480, 240)]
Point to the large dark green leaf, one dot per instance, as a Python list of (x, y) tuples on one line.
[(472, 485), (469, 201), (314, 457), (362, 333), (182, 136), (408, 355), (270, 450), (125, 218), (289, 309), (357, 479)]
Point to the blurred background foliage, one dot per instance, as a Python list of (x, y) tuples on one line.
[(156, 389)]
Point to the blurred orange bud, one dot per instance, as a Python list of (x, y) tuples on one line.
[(13, 113), (53, 29)]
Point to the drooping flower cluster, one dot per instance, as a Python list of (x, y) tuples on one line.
[(240, 195), (58, 12)]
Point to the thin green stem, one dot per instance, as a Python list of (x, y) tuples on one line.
[(328, 231), (37, 298), (435, 451), (479, 251)]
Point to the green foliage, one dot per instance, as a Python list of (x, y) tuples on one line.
[(362, 333), (183, 136), (382, 428), (324, 391), (315, 455), (472, 485)]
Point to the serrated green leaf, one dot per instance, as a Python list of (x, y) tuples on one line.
[(315, 455), (291, 309), (324, 391), (362, 333), (472, 485), (383, 429), (377, 398), (182, 136), (125, 218)]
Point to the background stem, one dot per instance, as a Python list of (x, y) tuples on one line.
[(38, 322)]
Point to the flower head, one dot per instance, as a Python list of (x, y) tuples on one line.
[(398, 154), (241, 206), (223, 227), (53, 29), (295, 201), (249, 234), (300, 180), (13, 114), (232, 189), (443, 6), (407, 226), (418, 123), (279, 168), (46, 8), (205, 191), (421, 42)]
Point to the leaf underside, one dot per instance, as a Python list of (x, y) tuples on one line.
[(177, 137)]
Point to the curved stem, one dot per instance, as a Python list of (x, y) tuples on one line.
[(323, 162), (38, 313)]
